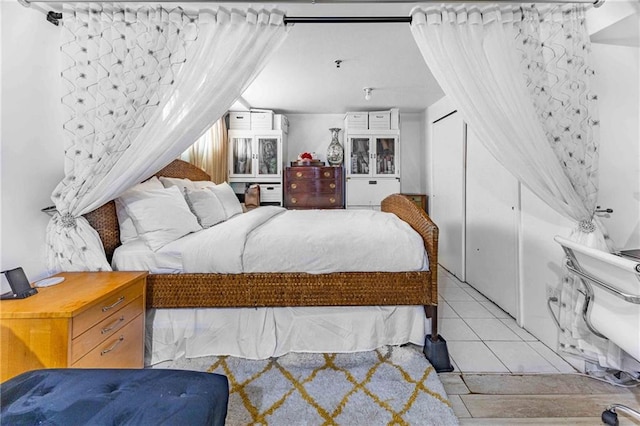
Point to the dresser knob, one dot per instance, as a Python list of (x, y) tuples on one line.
[(293, 201), (332, 185), (299, 174), (294, 186), (332, 200), (327, 174)]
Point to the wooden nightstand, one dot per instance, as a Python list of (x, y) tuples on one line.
[(90, 320), (421, 200)]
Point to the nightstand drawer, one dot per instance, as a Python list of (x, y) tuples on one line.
[(105, 328), (99, 311), (123, 349)]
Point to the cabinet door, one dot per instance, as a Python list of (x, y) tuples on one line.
[(241, 156), (359, 149), (269, 156), (491, 226), (386, 156), (447, 207)]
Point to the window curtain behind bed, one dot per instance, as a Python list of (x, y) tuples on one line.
[(141, 84), (521, 76), (210, 152)]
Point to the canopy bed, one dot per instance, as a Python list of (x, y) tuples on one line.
[(172, 296)]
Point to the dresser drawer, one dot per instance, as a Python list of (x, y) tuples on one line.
[(124, 349), (105, 328), (104, 308), (296, 173), (315, 201), (321, 186)]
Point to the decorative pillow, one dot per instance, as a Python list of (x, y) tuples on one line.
[(127, 228), (185, 183), (228, 198), (206, 206), (160, 215)]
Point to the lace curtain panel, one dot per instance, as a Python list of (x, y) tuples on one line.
[(142, 83), (210, 152), (522, 78)]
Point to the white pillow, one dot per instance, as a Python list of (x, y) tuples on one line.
[(127, 228), (206, 206), (228, 198), (160, 215), (185, 183)]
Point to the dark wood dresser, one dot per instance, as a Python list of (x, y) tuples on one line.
[(314, 187)]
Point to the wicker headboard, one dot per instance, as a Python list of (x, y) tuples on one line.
[(104, 218)]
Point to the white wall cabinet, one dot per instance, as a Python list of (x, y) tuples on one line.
[(372, 160), (257, 156)]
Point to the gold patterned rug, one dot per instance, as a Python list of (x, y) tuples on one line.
[(393, 385)]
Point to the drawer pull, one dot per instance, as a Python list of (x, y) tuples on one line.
[(293, 201), (332, 200), (294, 186), (327, 174), (113, 347), (298, 174), (332, 185), (116, 303), (112, 326)]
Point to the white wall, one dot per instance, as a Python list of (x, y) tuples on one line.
[(31, 152), (617, 82), (310, 132)]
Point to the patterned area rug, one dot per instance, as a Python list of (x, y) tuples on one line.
[(389, 386)]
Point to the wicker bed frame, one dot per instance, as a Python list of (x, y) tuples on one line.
[(288, 289)]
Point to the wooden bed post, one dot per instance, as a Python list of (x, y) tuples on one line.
[(431, 311)]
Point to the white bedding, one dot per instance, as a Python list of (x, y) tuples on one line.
[(272, 239)]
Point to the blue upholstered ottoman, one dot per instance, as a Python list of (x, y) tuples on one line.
[(114, 397)]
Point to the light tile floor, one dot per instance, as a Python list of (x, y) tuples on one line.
[(482, 338)]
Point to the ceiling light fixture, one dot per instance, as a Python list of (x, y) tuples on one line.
[(367, 93)]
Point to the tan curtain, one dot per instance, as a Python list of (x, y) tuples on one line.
[(210, 152)]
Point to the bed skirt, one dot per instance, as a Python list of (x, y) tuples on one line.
[(260, 333)]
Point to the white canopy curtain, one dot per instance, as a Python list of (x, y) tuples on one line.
[(521, 77), (142, 84)]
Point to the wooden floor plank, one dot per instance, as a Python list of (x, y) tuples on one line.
[(524, 406), (453, 383), (541, 384), (573, 421)]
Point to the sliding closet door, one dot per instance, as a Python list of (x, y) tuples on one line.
[(446, 204), (491, 226)]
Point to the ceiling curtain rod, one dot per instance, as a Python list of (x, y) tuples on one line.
[(345, 19), (54, 17), (312, 2)]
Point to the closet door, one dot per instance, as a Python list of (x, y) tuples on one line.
[(447, 191), (491, 226)]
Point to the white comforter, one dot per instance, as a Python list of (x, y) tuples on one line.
[(272, 239)]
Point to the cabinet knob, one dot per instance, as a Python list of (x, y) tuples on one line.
[(299, 174), (332, 200), (332, 185), (327, 174), (294, 186), (293, 201)]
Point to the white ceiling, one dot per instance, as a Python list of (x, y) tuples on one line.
[(302, 76)]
